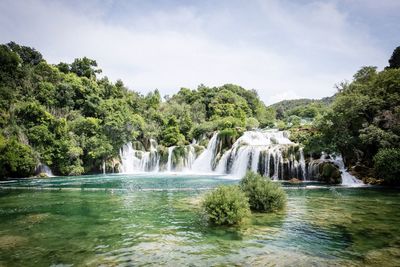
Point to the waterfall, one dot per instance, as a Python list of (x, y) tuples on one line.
[(240, 161), (267, 164), (268, 152), (169, 162), (254, 147), (255, 157), (303, 164), (43, 168), (347, 178), (278, 159), (191, 156), (135, 160), (222, 164), (204, 163)]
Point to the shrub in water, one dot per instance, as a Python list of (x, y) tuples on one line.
[(226, 205), (264, 195), (387, 165)]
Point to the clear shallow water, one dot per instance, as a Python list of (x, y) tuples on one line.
[(154, 219)]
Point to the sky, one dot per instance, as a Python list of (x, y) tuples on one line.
[(283, 49)]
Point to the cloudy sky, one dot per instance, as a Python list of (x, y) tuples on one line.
[(284, 49)]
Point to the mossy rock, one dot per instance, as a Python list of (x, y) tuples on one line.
[(178, 155), (198, 149), (42, 175), (372, 181), (163, 151), (330, 173), (137, 145)]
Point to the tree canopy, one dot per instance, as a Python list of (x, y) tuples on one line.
[(67, 117)]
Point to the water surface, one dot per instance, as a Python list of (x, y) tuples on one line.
[(122, 220)]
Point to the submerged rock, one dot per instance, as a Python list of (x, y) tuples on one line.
[(372, 181), (42, 175), (295, 181), (11, 241)]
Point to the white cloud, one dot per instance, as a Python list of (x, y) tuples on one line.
[(290, 51)]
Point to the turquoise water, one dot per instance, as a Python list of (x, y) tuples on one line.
[(155, 219)]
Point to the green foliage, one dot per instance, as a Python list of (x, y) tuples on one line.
[(9, 61), (171, 134), (16, 159), (27, 54), (263, 194), (228, 132), (313, 141), (226, 205), (364, 116), (202, 129), (303, 108), (73, 121), (252, 123), (293, 121), (43, 141), (228, 104), (394, 61), (85, 67), (387, 165)]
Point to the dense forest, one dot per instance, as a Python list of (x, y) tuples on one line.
[(66, 117), (72, 119)]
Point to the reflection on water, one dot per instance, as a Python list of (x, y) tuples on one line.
[(122, 220)]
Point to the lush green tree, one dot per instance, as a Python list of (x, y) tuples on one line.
[(43, 141), (394, 61), (252, 123), (387, 165), (27, 54), (16, 159), (153, 99), (228, 104), (85, 67), (363, 118), (171, 134), (64, 67)]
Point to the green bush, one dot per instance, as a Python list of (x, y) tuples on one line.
[(16, 159), (226, 205), (387, 165), (252, 123), (264, 195)]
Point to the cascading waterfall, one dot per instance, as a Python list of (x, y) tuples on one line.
[(169, 162), (43, 168), (204, 163), (191, 157), (303, 164), (263, 152), (268, 152), (135, 160), (347, 178)]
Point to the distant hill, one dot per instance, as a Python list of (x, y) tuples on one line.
[(287, 105), (304, 107)]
